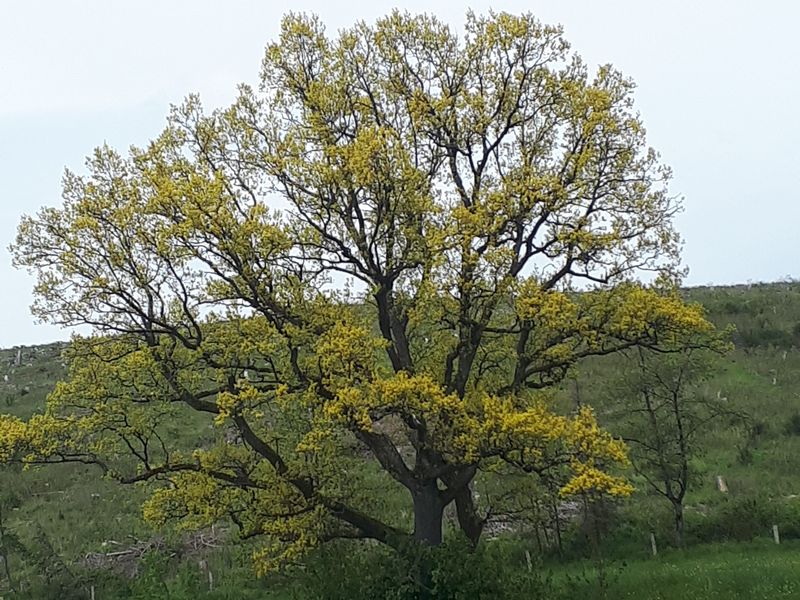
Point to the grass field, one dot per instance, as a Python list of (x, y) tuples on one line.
[(746, 571)]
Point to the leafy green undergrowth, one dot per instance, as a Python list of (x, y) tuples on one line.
[(706, 572)]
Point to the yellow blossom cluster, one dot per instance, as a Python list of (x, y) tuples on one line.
[(536, 438), (13, 432)]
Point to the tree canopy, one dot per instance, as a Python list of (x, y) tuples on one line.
[(389, 253)]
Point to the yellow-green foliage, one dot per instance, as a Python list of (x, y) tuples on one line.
[(489, 206)]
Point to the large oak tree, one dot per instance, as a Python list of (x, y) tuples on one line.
[(385, 255)]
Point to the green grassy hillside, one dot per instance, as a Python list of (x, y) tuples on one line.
[(61, 515)]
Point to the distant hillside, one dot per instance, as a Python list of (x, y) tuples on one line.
[(77, 513), (765, 315), (27, 374)]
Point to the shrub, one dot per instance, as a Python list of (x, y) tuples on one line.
[(494, 570), (793, 425), (491, 571), (744, 519)]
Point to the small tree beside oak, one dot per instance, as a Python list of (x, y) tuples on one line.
[(661, 411)]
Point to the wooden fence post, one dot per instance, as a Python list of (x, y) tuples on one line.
[(776, 534), (653, 546)]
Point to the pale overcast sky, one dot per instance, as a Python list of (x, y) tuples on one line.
[(719, 91)]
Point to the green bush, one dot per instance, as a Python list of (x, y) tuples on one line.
[(494, 570), (454, 572), (793, 425), (744, 519), (764, 337), (735, 520)]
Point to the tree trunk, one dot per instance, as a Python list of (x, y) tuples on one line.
[(428, 521), (677, 508), (468, 519), (4, 554), (428, 513), (557, 521)]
